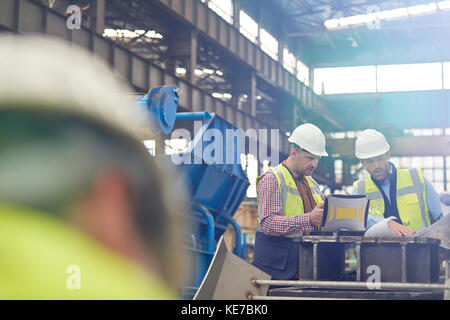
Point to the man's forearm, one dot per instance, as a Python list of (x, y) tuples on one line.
[(276, 224)]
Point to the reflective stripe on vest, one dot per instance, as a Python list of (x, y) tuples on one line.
[(411, 198), (291, 201)]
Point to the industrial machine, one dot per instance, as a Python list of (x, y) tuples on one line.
[(216, 188)]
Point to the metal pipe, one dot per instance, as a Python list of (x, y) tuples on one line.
[(358, 261), (210, 242), (315, 258), (296, 298), (193, 116), (447, 269), (237, 230), (353, 285)]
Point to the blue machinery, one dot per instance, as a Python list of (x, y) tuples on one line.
[(217, 188)]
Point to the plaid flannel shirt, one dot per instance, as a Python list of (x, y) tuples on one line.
[(271, 219)]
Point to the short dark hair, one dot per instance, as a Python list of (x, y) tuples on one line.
[(296, 147)]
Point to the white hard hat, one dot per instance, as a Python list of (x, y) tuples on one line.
[(370, 143), (309, 137), (39, 72)]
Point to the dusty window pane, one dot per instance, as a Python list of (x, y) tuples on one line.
[(438, 162), (405, 162), (428, 173), (438, 186), (438, 174), (416, 162), (427, 162), (395, 161)]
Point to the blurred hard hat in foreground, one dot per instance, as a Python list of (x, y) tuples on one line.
[(34, 76)]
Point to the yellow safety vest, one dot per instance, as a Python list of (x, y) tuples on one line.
[(411, 198), (291, 200), (43, 257)]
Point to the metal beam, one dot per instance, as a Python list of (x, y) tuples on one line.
[(407, 146), (100, 17), (139, 72), (351, 285)]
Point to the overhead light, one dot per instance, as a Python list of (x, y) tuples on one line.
[(219, 73), (180, 70), (227, 96), (332, 23), (217, 95), (392, 14), (208, 71), (124, 33), (198, 72), (443, 5), (153, 35), (422, 8), (387, 14)]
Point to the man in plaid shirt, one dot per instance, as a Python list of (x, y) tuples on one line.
[(289, 202), (271, 219)]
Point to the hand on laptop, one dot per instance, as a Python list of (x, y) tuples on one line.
[(315, 216)]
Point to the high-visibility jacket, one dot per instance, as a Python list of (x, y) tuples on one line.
[(291, 200), (410, 193), (279, 255), (43, 257)]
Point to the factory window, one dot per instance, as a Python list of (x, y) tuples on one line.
[(249, 164), (150, 145), (289, 61), (223, 8), (382, 78), (124, 33), (268, 44), (409, 77), (302, 72), (446, 75), (265, 166), (393, 14), (432, 168), (343, 135), (345, 80), (248, 27), (338, 171), (425, 132)]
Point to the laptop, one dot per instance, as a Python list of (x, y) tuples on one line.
[(345, 213)]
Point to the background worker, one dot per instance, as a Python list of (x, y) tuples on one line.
[(84, 212), (404, 194), (289, 201)]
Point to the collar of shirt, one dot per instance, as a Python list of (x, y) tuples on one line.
[(295, 175)]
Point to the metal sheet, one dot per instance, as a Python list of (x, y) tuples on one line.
[(229, 278)]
